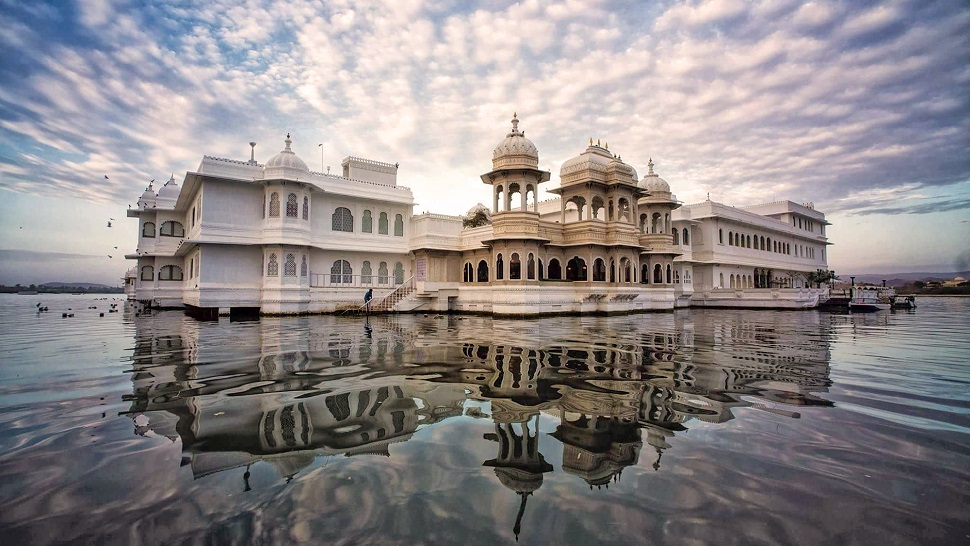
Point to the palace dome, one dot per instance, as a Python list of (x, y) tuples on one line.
[(170, 190), (515, 151), (285, 161), (478, 208), (147, 198), (652, 182), (596, 159)]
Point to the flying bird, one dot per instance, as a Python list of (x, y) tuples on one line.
[(112, 219), (109, 255), (116, 247), (109, 224), (152, 180), (106, 177)]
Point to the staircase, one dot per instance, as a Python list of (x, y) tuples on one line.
[(387, 303)]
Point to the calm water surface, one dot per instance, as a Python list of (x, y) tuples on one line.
[(693, 427)]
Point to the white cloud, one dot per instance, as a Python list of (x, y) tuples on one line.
[(743, 99)]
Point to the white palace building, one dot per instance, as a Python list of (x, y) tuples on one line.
[(277, 238)]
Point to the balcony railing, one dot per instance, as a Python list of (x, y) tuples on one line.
[(339, 280)]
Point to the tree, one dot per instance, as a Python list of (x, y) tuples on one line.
[(820, 277), (919, 284), (477, 218)]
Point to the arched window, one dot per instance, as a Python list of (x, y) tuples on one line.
[(170, 273), (367, 222), (531, 267), (576, 269), (148, 273), (555, 269), (148, 230), (731, 238), (676, 236), (645, 274), (382, 224), (365, 273), (482, 271), (721, 284), (515, 266), (306, 208), (274, 205), (599, 270), (658, 274), (341, 272), (762, 242), (625, 269), (499, 268), (467, 273), (382, 277), (668, 273), (398, 273), (303, 267), (749, 241), (770, 248), (273, 267), (289, 267), (343, 220), (398, 225), (542, 270), (291, 206), (732, 281), (676, 277), (171, 228), (720, 236)]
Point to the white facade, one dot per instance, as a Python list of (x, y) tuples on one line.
[(278, 238), (273, 237)]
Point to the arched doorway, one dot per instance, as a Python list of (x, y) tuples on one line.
[(555, 270), (483, 271), (599, 270), (575, 269)]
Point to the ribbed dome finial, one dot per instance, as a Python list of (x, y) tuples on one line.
[(650, 166), (515, 149)]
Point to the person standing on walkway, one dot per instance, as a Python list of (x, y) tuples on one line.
[(367, 298)]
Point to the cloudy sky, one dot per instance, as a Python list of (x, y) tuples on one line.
[(860, 107)]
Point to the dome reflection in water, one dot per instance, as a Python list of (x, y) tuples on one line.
[(601, 394)]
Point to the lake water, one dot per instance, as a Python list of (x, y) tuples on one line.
[(692, 427)]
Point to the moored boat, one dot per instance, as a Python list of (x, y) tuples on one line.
[(903, 302), (871, 298)]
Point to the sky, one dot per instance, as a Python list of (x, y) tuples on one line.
[(862, 108)]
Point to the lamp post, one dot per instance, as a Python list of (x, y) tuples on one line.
[(321, 155)]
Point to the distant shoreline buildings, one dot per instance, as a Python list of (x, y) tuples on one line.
[(276, 238)]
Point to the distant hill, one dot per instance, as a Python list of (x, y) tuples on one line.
[(87, 285), (899, 279)]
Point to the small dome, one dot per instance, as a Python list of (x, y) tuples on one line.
[(286, 159), (515, 151), (170, 190), (595, 158), (147, 199), (652, 182), (478, 208), (149, 193)]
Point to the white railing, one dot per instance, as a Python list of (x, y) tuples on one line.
[(338, 280), (389, 301)]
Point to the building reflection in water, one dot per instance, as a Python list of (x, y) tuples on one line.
[(287, 390)]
